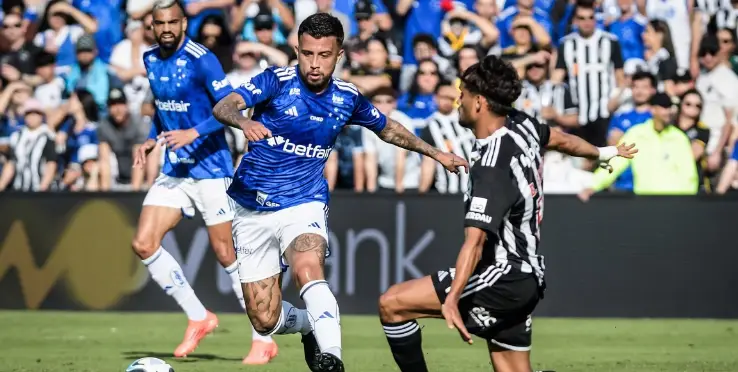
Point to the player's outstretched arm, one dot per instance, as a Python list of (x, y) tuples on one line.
[(228, 110), (396, 134), (575, 146)]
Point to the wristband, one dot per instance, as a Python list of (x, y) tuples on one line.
[(607, 153)]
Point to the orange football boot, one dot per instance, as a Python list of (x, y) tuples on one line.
[(196, 331), (261, 352)]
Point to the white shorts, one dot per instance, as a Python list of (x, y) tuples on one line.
[(208, 196), (261, 238)]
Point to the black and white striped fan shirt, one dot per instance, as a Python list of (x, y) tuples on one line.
[(30, 151), (506, 194), (445, 132), (711, 7), (590, 65), (533, 98)]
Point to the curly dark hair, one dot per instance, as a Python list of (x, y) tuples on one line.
[(496, 80), (320, 25)]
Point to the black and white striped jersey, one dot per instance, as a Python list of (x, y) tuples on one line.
[(31, 149), (534, 97), (445, 132), (590, 65), (505, 198)]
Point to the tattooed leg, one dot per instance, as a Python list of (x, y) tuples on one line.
[(268, 313), (306, 255)]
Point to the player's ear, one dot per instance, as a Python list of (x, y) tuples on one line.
[(478, 102), (184, 24), (340, 54)]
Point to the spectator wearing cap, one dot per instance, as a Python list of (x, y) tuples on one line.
[(18, 61), (110, 16), (61, 27), (120, 135), (266, 49), (127, 63), (524, 13), (243, 17), (660, 55), (355, 45), (629, 27), (376, 71), (380, 17), (81, 150), (718, 85), (389, 167), (462, 27), (33, 160), (91, 73), (664, 165)]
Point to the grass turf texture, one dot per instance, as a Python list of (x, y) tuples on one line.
[(100, 342)]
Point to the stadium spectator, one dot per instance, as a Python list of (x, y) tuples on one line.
[(389, 167), (548, 102), (110, 18), (120, 134), (345, 166), (688, 120), (245, 64), (11, 108), (665, 163), (660, 55), (423, 18), (199, 10), (380, 15), (214, 35), (79, 135), (91, 73), (51, 87), (525, 51), (127, 63), (524, 13), (376, 71), (327, 6), (269, 51), (629, 28), (424, 47), (61, 27), (728, 43), (463, 27), (718, 85), (356, 45), (243, 18), (444, 132), (621, 98), (419, 102), (33, 159), (18, 62), (679, 18)]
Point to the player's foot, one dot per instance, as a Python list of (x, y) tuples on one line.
[(196, 331), (329, 362), (261, 352), (312, 352)]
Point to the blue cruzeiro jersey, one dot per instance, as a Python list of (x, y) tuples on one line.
[(186, 86), (287, 169)]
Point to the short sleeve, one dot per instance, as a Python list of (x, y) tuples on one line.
[(103, 132), (561, 60), (50, 150), (616, 54), (569, 106), (366, 115), (214, 78), (493, 194), (260, 88), (668, 70), (703, 134), (427, 136)]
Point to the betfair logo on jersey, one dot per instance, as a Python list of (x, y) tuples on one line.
[(218, 85), (478, 217), (172, 105), (309, 151)]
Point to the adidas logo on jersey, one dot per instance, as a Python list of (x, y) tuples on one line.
[(309, 151), (172, 105), (292, 111)]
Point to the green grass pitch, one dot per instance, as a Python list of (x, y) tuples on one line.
[(99, 342)]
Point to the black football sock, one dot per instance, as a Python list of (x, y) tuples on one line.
[(405, 342)]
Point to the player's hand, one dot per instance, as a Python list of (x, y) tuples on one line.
[(139, 157), (255, 131), (176, 139), (452, 162), (450, 311)]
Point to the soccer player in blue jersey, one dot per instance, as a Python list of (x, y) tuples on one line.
[(187, 80), (280, 191)]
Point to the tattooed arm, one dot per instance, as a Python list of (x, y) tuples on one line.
[(396, 134), (228, 110)]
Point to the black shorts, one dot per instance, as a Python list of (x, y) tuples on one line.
[(496, 304), (594, 132)]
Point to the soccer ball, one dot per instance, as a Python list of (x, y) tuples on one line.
[(149, 365)]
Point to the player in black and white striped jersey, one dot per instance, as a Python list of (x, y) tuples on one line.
[(546, 101), (498, 278)]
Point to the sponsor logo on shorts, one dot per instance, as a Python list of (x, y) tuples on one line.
[(481, 316), (245, 250), (178, 278), (478, 204), (478, 217)]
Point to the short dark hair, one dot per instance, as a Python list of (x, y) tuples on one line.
[(426, 39), (444, 83), (496, 80), (320, 25), (645, 75), (585, 4), (383, 91)]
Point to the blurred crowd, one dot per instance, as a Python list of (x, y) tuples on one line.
[(75, 100)]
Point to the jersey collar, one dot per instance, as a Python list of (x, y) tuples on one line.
[(481, 142)]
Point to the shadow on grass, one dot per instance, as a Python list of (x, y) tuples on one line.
[(133, 355)]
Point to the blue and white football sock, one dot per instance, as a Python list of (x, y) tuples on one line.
[(324, 316), (232, 271), (168, 274)]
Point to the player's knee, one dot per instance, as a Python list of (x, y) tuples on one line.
[(224, 251), (389, 307), (143, 247), (306, 268)]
